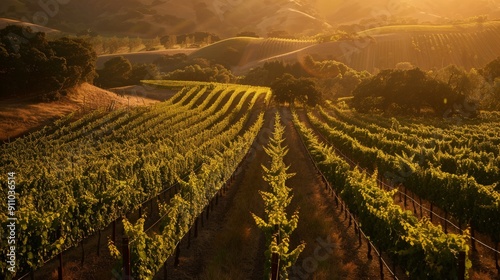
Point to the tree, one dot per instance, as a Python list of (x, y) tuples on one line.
[(34, 67), (492, 70), (288, 89), (116, 72), (210, 73), (143, 72), (457, 78), (406, 92), (248, 34), (80, 59)]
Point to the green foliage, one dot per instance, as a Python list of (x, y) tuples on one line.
[(492, 70), (276, 226), (422, 249), (115, 73), (34, 67), (461, 181), (334, 78), (214, 73), (288, 89), (407, 92), (118, 71), (78, 176)]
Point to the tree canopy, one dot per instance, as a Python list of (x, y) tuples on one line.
[(406, 92), (118, 71), (36, 68), (289, 89)]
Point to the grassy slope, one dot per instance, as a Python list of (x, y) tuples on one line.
[(20, 116), (141, 57), (249, 51), (6, 21), (425, 46)]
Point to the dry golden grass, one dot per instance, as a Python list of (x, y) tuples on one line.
[(18, 116)]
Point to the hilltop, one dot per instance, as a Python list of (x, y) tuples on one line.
[(35, 27)]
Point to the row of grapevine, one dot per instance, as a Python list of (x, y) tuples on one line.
[(150, 251), (423, 250), (75, 179), (455, 156), (276, 226), (482, 137), (460, 195)]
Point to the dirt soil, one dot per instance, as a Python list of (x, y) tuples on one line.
[(230, 246)]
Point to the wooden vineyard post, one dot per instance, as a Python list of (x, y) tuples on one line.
[(126, 258), (369, 254), (196, 228), (60, 268), (177, 255), (165, 274), (151, 207), (405, 198), (420, 201), (414, 208), (496, 258), (461, 266), (381, 265), (430, 212), (83, 251), (446, 222), (473, 238), (275, 261), (99, 243), (113, 235), (275, 267)]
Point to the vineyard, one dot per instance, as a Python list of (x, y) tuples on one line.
[(77, 177), (427, 47), (422, 194), (370, 160)]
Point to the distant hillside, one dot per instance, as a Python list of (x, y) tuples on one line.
[(241, 51), (467, 45), (432, 11), (147, 18), (226, 18), (38, 28)]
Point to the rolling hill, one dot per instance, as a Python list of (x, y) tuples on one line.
[(5, 22), (150, 18), (19, 116), (241, 51), (425, 46)]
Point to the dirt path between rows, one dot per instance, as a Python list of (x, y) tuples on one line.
[(230, 246)]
